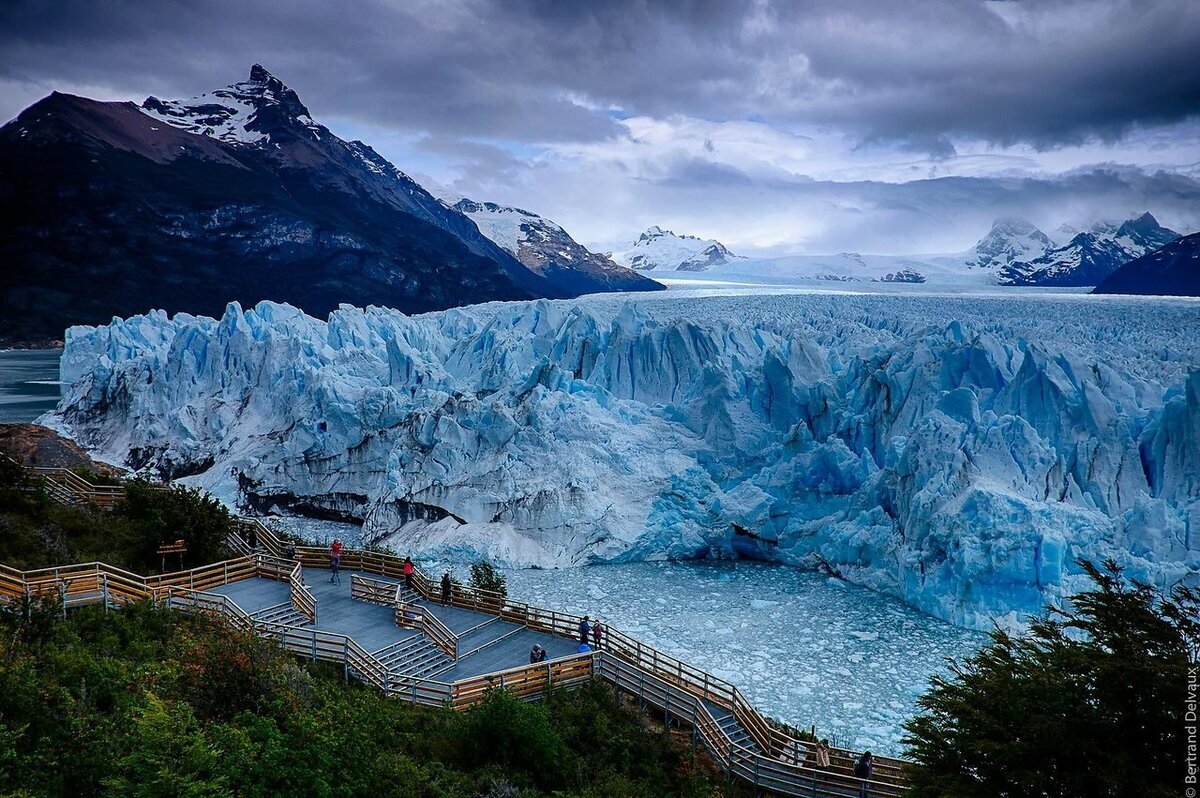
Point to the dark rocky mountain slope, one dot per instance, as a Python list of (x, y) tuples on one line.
[(110, 209)]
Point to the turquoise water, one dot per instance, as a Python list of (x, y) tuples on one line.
[(28, 383)]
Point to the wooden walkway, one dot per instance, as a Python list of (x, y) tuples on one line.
[(486, 643), (409, 646)]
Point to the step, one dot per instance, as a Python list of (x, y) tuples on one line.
[(420, 662), (468, 647), (279, 615), (404, 656)]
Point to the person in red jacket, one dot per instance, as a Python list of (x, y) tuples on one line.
[(408, 572), (335, 561)]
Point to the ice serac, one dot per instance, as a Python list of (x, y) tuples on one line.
[(962, 466)]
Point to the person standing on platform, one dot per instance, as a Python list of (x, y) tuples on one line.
[(447, 586), (335, 561), (408, 572), (584, 629), (863, 769), (597, 634)]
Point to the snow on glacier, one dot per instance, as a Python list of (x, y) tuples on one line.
[(956, 452), (809, 650)]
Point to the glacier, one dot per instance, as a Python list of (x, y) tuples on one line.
[(957, 452)]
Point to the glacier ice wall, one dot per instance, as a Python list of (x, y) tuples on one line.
[(959, 465)]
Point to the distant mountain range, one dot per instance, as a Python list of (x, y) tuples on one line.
[(662, 250), (1173, 270), (1089, 257), (110, 209), (1013, 253)]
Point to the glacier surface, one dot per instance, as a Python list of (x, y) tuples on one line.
[(956, 452)]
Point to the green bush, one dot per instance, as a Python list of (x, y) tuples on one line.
[(1089, 704), (37, 533), (154, 702), (485, 577)]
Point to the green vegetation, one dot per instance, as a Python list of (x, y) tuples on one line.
[(152, 702), (485, 577), (1090, 704), (37, 533)]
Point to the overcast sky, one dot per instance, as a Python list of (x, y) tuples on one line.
[(823, 126)]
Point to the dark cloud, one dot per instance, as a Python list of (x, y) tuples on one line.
[(1044, 73)]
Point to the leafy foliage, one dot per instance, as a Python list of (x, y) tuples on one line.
[(1089, 704), (36, 533), (485, 577), (152, 702)]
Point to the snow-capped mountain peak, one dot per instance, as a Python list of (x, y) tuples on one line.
[(247, 112), (545, 248), (1089, 257), (665, 250), (1007, 241)]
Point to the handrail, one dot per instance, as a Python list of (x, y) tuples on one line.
[(302, 598), (414, 616)]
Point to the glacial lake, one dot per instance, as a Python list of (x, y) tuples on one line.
[(28, 383)]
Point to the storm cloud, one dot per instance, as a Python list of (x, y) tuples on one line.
[(776, 97)]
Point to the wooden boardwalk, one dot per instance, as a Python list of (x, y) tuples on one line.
[(487, 643)]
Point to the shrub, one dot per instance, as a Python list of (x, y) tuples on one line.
[(1089, 704), (485, 577)]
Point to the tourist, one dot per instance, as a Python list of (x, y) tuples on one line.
[(335, 561), (408, 572), (537, 654), (252, 537), (584, 628), (446, 587), (289, 551), (597, 635), (862, 769), (822, 755)]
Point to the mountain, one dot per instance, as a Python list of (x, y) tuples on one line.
[(665, 251), (1008, 240), (1089, 257), (1172, 270), (547, 250), (110, 208)]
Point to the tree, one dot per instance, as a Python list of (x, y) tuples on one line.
[(1090, 703), (485, 577)]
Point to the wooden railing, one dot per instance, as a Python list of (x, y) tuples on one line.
[(67, 487), (373, 591), (303, 601), (415, 616), (525, 681), (784, 774)]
